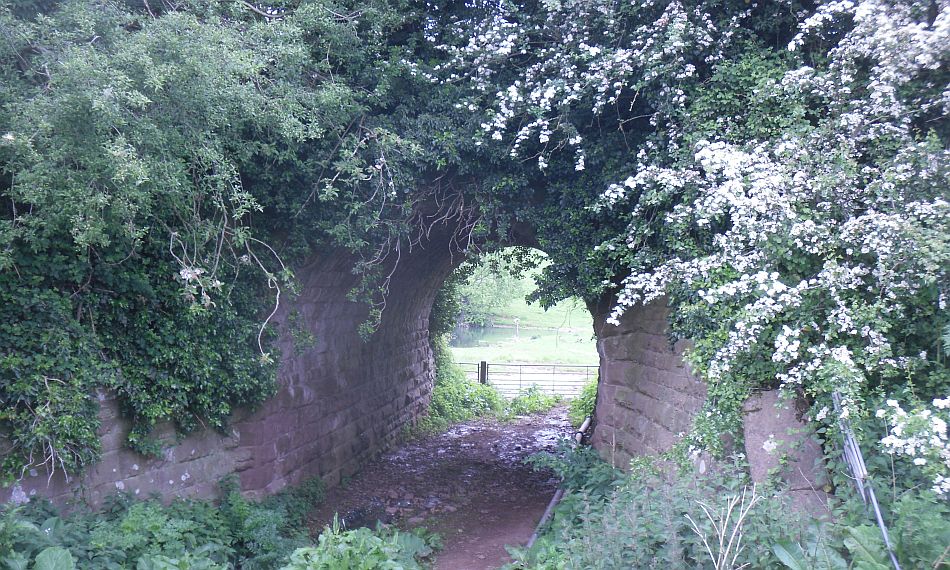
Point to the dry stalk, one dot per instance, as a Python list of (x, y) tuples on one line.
[(727, 526)]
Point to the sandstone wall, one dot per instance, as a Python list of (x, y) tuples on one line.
[(647, 395), (339, 403), (343, 401)]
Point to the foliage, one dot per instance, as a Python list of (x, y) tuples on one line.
[(129, 533), (531, 400), (609, 519), (776, 171), (491, 282), (641, 522), (583, 405), (455, 398), (127, 216), (921, 435), (362, 549), (778, 175), (580, 468), (162, 166), (195, 535)]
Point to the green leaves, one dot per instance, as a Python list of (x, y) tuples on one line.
[(135, 152), (184, 535), (54, 558), (867, 548), (362, 549)]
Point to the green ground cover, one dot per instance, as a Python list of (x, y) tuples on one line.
[(527, 333), (533, 347)]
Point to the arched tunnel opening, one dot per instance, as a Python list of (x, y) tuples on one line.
[(344, 398), (346, 403), (498, 319), (505, 400), (228, 227)]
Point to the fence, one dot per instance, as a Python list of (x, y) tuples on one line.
[(565, 380)]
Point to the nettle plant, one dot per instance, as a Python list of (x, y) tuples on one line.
[(788, 192)]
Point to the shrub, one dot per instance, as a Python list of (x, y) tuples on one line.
[(455, 398), (531, 400), (362, 549), (195, 535), (639, 520), (583, 405)]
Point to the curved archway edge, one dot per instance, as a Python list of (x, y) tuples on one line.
[(343, 400)]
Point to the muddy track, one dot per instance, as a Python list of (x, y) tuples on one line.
[(469, 484)]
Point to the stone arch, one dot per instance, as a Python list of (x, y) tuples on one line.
[(343, 400)]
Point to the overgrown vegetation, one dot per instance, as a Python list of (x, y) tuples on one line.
[(455, 398), (186, 534), (200, 535), (530, 400), (676, 520), (775, 171), (490, 282), (364, 549), (583, 405)]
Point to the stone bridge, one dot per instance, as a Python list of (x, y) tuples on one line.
[(343, 400)]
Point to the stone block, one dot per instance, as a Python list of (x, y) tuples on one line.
[(779, 443)]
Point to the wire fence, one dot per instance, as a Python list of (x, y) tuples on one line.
[(565, 380)]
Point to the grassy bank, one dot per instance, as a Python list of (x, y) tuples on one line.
[(526, 333)]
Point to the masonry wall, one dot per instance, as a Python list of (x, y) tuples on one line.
[(339, 403), (343, 401), (647, 395)]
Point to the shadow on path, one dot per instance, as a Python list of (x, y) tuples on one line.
[(469, 484)]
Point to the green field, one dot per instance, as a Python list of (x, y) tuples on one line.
[(528, 334)]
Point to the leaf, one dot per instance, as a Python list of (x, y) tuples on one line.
[(867, 548), (16, 561), (54, 558), (790, 555), (52, 526)]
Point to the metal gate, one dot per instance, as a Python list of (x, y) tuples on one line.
[(565, 380)]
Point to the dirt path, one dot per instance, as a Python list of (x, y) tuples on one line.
[(469, 485)]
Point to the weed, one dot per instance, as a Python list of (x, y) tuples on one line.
[(362, 548), (454, 397), (531, 400), (583, 405), (184, 535)]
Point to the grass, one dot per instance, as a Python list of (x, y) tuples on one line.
[(533, 347), (562, 334), (568, 314)]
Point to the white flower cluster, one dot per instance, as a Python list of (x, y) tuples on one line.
[(921, 434), (817, 241), (596, 59), (875, 233)]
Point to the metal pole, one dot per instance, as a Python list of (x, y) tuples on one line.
[(855, 461)]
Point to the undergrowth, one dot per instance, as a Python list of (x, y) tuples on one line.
[(583, 405), (455, 398), (529, 401), (656, 518), (362, 548), (186, 534), (200, 535)]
